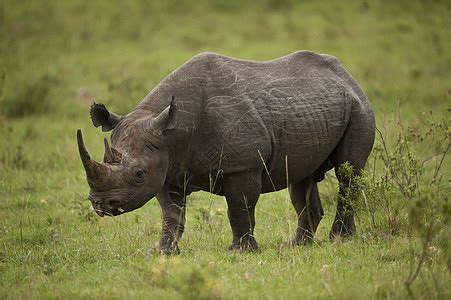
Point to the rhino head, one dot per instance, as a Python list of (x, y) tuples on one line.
[(134, 167)]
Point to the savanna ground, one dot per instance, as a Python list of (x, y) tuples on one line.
[(59, 56)]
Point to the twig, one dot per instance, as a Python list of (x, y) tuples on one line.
[(264, 164), (421, 261), (368, 209), (440, 164)]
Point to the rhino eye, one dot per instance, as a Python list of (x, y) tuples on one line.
[(139, 176)]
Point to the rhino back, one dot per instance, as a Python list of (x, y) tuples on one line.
[(291, 109)]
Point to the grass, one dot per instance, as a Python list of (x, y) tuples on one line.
[(59, 56)]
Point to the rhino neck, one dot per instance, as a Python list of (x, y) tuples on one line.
[(178, 136), (187, 84)]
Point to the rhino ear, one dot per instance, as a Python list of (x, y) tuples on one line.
[(167, 118), (101, 116)]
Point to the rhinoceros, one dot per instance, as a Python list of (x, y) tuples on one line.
[(236, 128)]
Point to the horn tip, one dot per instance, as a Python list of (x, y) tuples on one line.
[(79, 136)]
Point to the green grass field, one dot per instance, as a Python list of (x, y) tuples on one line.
[(59, 56)]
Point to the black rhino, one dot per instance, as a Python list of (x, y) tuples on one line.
[(236, 128)]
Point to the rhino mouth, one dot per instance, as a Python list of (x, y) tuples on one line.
[(102, 207), (114, 207), (111, 213)]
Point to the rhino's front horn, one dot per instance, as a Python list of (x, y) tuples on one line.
[(84, 155), (94, 170)]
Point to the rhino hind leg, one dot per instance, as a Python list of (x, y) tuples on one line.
[(306, 201), (242, 191), (344, 224), (353, 149)]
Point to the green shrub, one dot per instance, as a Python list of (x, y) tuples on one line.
[(405, 186)]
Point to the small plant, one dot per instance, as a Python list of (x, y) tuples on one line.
[(352, 189), (83, 209)]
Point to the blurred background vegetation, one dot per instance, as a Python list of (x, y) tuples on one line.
[(56, 57), (70, 52)]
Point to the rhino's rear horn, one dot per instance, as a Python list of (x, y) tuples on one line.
[(108, 156), (111, 154)]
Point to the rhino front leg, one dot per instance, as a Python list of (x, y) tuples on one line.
[(242, 191), (173, 207)]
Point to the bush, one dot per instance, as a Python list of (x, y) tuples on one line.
[(405, 185), (412, 169)]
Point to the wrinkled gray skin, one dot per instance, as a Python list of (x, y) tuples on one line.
[(231, 127)]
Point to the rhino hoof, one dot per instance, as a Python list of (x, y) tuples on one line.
[(294, 243), (304, 240), (244, 245), (170, 250), (342, 229)]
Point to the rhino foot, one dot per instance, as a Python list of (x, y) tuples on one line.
[(245, 244), (303, 237), (168, 247), (170, 251), (304, 241), (342, 228), (296, 242)]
